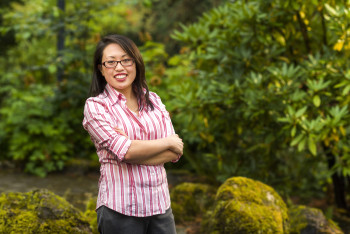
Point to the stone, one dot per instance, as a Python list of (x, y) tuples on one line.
[(307, 220), (190, 200), (244, 205), (91, 214), (39, 211)]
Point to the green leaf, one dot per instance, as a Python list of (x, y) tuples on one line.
[(331, 10), (312, 146), (317, 100), (52, 68), (301, 144), (296, 140), (294, 130), (346, 90), (300, 112), (26, 35)]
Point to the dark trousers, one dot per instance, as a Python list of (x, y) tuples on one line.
[(112, 222)]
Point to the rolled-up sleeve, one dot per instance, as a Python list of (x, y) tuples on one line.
[(99, 124)]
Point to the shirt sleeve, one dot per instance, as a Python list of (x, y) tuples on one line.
[(168, 125), (99, 124)]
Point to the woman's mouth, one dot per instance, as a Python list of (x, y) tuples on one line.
[(120, 77)]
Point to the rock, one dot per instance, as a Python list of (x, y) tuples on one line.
[(188, 200), (243, 205), (91, 214), (306, 220), (39, 211)]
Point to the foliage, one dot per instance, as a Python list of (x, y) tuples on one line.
[(48, 111), (262, 87), (163, 16), (36, 133), (40, 117)]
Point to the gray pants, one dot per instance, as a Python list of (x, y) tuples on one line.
[(112, 222)]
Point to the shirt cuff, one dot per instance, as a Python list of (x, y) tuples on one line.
[(178, 158), (120, 146)]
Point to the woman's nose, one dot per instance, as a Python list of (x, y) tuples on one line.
[(119, 67)]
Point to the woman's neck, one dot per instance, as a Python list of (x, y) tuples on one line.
[(128, 94)]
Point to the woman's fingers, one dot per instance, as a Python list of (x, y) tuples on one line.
[(120, 132), (177, 144)]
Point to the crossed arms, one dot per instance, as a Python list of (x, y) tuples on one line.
[(99, 123)]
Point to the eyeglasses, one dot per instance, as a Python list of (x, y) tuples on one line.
[(113, 64)]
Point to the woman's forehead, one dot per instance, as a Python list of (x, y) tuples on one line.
[(114, 51)]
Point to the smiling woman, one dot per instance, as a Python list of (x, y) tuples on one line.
[(134, 137)]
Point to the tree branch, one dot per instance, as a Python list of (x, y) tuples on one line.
[(304, 33)]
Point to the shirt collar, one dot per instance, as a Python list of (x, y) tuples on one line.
[(113, 94)]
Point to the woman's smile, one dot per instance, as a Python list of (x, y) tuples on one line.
[(121, 76)]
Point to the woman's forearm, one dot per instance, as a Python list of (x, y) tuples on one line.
[(143, 150), (154, 150), (161, 158)]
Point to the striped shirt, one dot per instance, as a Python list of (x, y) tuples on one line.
[(130, 189)]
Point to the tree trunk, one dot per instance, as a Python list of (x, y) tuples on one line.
[(60, 43), (338, 182)]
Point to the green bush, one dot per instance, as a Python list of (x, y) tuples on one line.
[(41, 113), (35, 130), (261, 88)]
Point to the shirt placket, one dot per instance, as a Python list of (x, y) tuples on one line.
[(135, 118)]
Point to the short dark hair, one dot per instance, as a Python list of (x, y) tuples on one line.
[(98, 82)]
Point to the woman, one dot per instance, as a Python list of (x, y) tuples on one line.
[(134, 137)]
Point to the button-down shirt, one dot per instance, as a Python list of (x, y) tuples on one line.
[(130, 189)]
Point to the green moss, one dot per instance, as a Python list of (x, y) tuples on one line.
[(243, 205), (188, 200), (297, 219), (238, 217), (306, 219), (39, 211), (91, 215)]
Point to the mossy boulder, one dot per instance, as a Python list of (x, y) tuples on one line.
[(306, 220), (39, 211), (243, 205), (91, 214), (189, 200)]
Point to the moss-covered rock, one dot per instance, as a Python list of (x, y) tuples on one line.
[(91, 214), (304, 220), (243, 205), (188, 200), (39, 211)]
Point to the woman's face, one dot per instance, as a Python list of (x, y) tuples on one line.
[(119, 77)]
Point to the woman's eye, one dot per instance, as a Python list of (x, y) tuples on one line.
[(110, 62)]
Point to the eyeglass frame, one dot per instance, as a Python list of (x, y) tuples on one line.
[(117, 62)]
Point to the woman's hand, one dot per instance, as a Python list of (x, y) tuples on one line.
[(120, 132), (175, 144)]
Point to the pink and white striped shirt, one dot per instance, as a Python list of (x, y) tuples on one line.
[(130, 189)]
